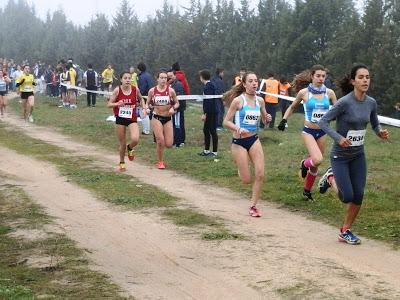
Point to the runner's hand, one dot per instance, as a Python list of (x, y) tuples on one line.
[(384, 134), (344, 142), (282, 125)]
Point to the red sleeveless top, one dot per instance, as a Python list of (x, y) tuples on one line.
[(161, 98), (128, 110)]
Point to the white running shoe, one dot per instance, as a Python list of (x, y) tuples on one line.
[(30, 119)]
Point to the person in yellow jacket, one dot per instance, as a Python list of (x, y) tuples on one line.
[(71, 90), (271, 102), (108, 77), (25, 84), (134, 77)]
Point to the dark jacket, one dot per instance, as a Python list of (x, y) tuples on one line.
[(209, 106), (145, 83), (219, 84), (178, 87)]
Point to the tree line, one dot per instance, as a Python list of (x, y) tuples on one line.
[(278, 35)]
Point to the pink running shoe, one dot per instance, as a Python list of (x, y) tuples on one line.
[(254, 212), (160, 165)]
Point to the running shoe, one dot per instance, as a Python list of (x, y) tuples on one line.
[(303, 169), (323, 183), (131, 153), (30, 119), (203, 153), (254, 212), (307, 196), (349, 238), (212, 155), (160, 165), (121, 167)]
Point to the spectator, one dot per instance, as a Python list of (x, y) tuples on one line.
[(91, 78), (396, 113), (181, 76), (238, 79), (284, 87), (218, 82), (179, 117), (209, 116), (145, 83), (271, 102)]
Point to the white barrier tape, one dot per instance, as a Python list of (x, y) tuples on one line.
[(198, 98), (389, 121), (78, 88), (382, 119), (180, 97)]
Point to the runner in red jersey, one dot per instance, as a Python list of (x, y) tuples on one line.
[(165, 103), (124, 101)]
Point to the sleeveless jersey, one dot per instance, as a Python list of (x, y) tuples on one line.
[(128, 110), (3, 85), (248, 117), (315, 109), (161, 98)]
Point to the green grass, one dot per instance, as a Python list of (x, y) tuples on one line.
[(222, 235), (379, 218), (66, 277), (190, 218)]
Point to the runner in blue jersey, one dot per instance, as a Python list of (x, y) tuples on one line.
[(248, 109), (316, 100)]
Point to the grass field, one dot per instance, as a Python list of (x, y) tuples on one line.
[(379, 218)]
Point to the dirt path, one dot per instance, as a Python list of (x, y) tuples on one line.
[(287, 256)]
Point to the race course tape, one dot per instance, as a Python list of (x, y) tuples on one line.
[(197, 98), (382, 119)]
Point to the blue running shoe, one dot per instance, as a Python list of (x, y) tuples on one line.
[(349, 238)]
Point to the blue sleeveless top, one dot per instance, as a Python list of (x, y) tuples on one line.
[(315, 109), (3, 85), (248, 117)]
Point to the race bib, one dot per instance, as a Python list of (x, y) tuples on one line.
[(356, 137), (125, 112), (28, 88), (317, 115), (161, 100), (251, 117)]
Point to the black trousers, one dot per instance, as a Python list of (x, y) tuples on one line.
[(91, 97), (210, 131), (179, 127)]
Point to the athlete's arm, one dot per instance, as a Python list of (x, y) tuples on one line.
[(149, 104), (113, 97), (332, 96), (176, 102), (294, 105), (266, 117), (233, 108)]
